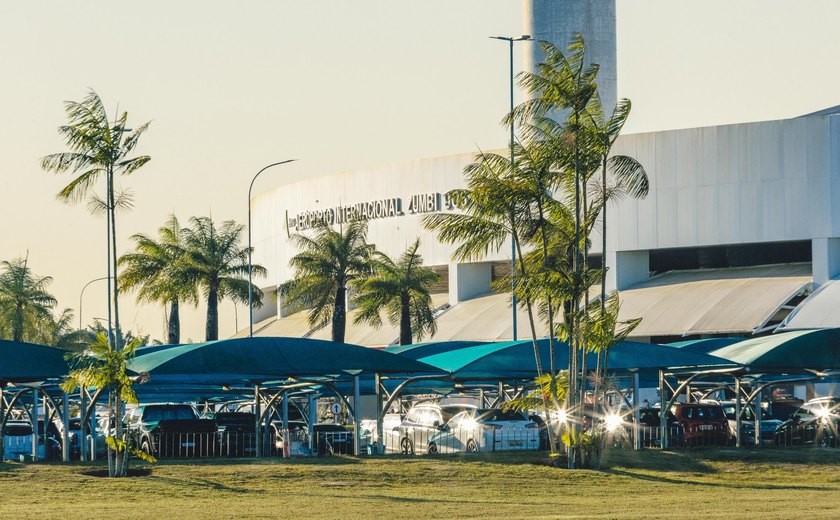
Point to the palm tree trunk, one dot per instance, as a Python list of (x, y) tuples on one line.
[(212, 330), (339, 321), (111, 200), (405, 319), (17, 327), (174, 322)]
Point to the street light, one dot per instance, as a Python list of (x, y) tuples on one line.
[(510, 40), (250, 264), (82, 293)]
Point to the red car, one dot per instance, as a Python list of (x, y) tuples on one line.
[(702, 424)]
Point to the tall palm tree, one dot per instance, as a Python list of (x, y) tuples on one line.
[(327, 264), (400, 288), (25, 303), (98, 147), (628, 175), (159, 271), (218, 264)]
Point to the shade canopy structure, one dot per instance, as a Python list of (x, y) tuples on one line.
[(26, 362), (815, 350), (821, 309), (261, 359), (421, 350), (704, 346), (516, 359)]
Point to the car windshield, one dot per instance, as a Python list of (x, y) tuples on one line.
[(223, 419), (168, 413), (18, 430), (703, 412), (497, 415)]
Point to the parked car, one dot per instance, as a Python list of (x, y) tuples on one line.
[(703, 424), (485, 430), (329, 438), (235, 432), (782, 408), (768, 424), (171, 430), (422, 422), (650, 428), (815, 422), (298, 442), (18, 441), (75, 432)]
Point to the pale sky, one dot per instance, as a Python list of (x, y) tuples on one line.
[(338, 85)]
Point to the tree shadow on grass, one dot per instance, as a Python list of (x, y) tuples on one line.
[(728, 485), (656, 460)]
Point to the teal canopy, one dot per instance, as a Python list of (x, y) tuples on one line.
[(421, 350), (257, 360), (704, 346), (516, 359), (26, 362), (787, 351)]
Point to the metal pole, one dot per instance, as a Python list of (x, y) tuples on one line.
[(758, 419), (380, 423), (512, 237), (83, 426), (357, 423), (312, 419), (663, 412), (111, 340), (738, 412), (65, 435), (34, 421), (287, 438), (258, 418), (637, 440), (250, 265), (2, 422)]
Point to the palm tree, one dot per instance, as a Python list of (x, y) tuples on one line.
[(629, 176), (401, 288), (98, 147), (217, 263), (159, 272), (25, 303), (101, 366), (327, 264)]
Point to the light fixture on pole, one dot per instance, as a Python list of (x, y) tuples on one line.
[(82, 293), (250, 264), (510, 40)]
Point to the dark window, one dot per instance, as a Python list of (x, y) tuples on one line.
[(715, 257)]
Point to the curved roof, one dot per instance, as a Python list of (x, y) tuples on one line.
[(261, 359), (800, 350), (421, 350), (516, 360), (704, 346), (26, 362)]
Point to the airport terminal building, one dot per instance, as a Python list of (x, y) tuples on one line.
[(739, 234)]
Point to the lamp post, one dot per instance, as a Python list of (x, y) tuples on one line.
[(250, 264), (511, 40), (82, 293)]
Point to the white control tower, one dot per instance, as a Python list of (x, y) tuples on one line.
[(557, 20)]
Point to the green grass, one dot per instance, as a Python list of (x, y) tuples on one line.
[(689, 484)]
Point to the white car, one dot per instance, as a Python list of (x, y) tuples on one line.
[(485, 430)]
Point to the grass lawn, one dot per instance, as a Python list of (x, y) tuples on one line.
[(689, 484)]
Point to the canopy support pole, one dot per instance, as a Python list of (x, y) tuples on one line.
[(65, 434), (757, 415), (33, 420), (312, 418), (737, 411), (2, 422), (258, 416), (83, 427), (637, 441), (287, 436), (380, 422), (663, 413), (357, 422)]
